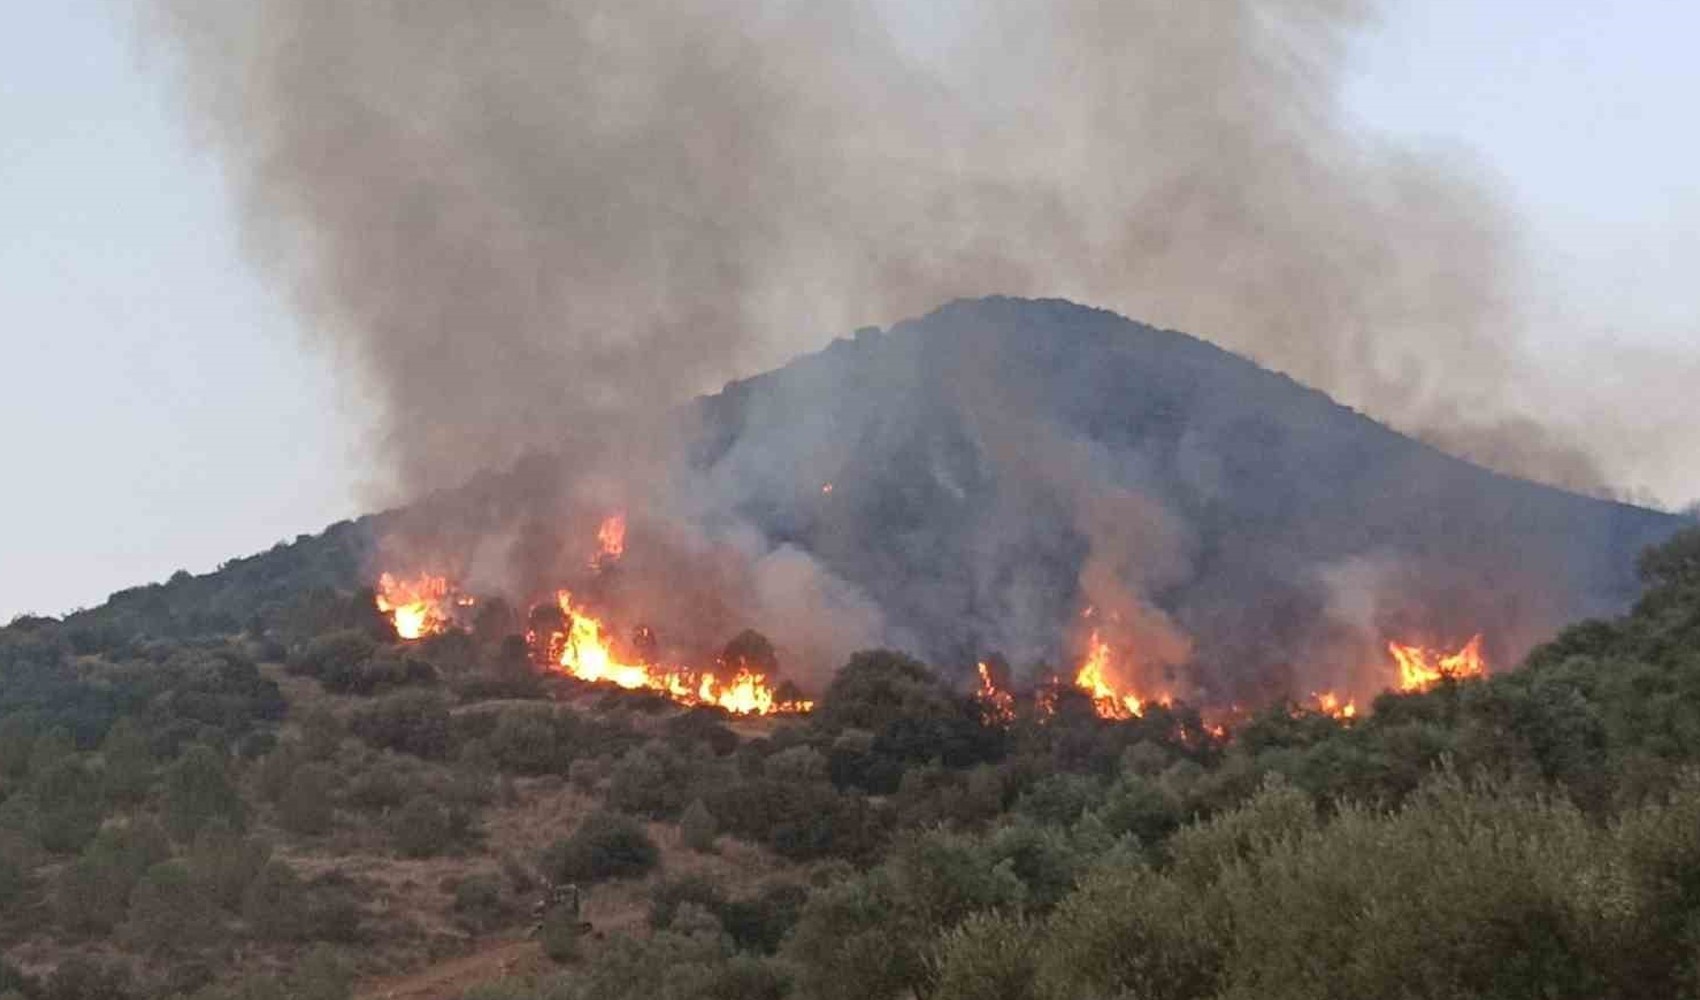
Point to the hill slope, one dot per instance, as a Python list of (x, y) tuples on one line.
[(968, 452), (983, 474)]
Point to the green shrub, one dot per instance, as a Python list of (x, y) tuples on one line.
[(92, 894), (1128, 932), (479, 904), (759, 923), (198, 791), (605, 846), (17, 879), (532, 741), (334, 658), (169, 914), (414, 722), (224, 863), (990, 956), (127, 763), (425, 828), (276, 906), (671, 893), (561, 935), (64, 805), (307, 805)]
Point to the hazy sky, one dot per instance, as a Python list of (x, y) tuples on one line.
[(160, 412)]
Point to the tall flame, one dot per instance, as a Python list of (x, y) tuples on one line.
[(1420, 668), (1094, 678), (610, 540), (417, 607), (997, 704), (586, 652)]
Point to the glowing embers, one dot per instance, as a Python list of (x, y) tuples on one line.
[(1421, 669), (586, 650), (416, 606)]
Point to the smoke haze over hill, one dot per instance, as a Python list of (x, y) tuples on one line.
[(533, 222)]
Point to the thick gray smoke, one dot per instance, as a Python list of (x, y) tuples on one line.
[(528, 220), (540, 225)]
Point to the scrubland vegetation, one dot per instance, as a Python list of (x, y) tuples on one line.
[(241, 786)]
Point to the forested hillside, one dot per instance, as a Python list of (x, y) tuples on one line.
[(286, 804)]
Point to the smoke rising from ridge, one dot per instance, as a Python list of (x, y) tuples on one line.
[(537, 220)]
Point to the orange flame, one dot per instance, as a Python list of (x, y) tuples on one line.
[(1330, 703), (587, 653), (998, 704), (1094, 679), (610, 541), (1421, 669), (416, 606)]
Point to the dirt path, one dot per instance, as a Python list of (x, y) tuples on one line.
[(449, 980)]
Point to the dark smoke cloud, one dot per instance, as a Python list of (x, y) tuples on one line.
[(529, 220)]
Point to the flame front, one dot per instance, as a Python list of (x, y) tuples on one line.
[(586, 652), (1421, 669), (417, 607)]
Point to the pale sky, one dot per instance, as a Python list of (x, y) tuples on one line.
[(162, 410)]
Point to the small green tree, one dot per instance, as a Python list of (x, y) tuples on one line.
[(198, 791), (127, 763), (698, 828), (560, 935)]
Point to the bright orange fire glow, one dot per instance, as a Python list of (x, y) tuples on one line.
[(1094, 678), (610, 540), (587, 652), (1330, 703), (998, 704), (1421, 669), (417, 606)]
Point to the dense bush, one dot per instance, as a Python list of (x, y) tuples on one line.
[(198, 791), (605, 846), (414, 722)]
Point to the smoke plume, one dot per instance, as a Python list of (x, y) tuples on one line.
[(526, 221)]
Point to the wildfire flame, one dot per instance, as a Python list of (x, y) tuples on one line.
[(1338, 706), (417, 606), (1094, 679), (998, 704), (610, 541), (1421, 669), (586, 652)]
